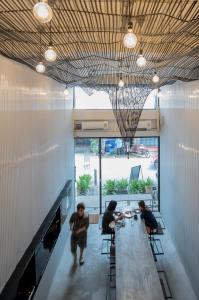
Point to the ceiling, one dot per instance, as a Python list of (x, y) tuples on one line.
[(88, 35)]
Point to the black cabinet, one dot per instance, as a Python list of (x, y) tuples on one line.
[(25, 279), (45, 247), (38, 262), (27, 282)]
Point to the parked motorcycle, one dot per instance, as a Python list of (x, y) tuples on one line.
[(140, 150)]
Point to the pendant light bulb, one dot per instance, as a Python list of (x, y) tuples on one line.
[(50, 54), (121, 83), (141, 61), (155, 78), (40, 68), (130, 39), (42, 11), (66, 91)]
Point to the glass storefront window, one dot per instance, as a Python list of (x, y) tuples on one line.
[(130, 171), (87, 172), (125, 170)]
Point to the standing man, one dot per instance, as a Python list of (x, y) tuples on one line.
[(79, 223)]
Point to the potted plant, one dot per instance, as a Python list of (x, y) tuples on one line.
[(142, 186), (148, 185), (110, 187), (122, 186), (133, 187), (83, 184)]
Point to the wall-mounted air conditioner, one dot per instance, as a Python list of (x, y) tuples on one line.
[(94, 125), (144, 125)]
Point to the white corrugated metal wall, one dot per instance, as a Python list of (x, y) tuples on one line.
[(179, 170), (36, 156)]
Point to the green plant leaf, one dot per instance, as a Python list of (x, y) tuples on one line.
[(121, 185), (84, 184), (149, 182), (109, 187), (133, 187)]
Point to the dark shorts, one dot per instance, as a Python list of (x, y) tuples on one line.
[(80, 241), (152, 227)]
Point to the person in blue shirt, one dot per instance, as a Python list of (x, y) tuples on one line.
[(148, 217)]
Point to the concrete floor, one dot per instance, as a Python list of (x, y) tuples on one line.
[(88, 282), (178, 280)]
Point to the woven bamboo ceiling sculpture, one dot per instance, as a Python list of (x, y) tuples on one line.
[(88, 38)]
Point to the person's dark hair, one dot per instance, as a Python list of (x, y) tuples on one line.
[(112, 205), (80, 205), (142, 204)]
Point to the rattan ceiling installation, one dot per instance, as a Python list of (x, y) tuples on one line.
[(88, 37)]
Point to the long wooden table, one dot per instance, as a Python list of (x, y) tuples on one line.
[(136, 273)]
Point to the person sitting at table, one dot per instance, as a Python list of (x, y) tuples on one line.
[(108, 217), (148, 217)]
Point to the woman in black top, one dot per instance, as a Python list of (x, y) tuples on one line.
[(146, 215), (108, 217)]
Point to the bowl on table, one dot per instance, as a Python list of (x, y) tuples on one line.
[(117, 213), (137, 211), (128, 214)]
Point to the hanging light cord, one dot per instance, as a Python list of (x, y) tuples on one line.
[(129, 12), (50, 34), (40, 55)]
